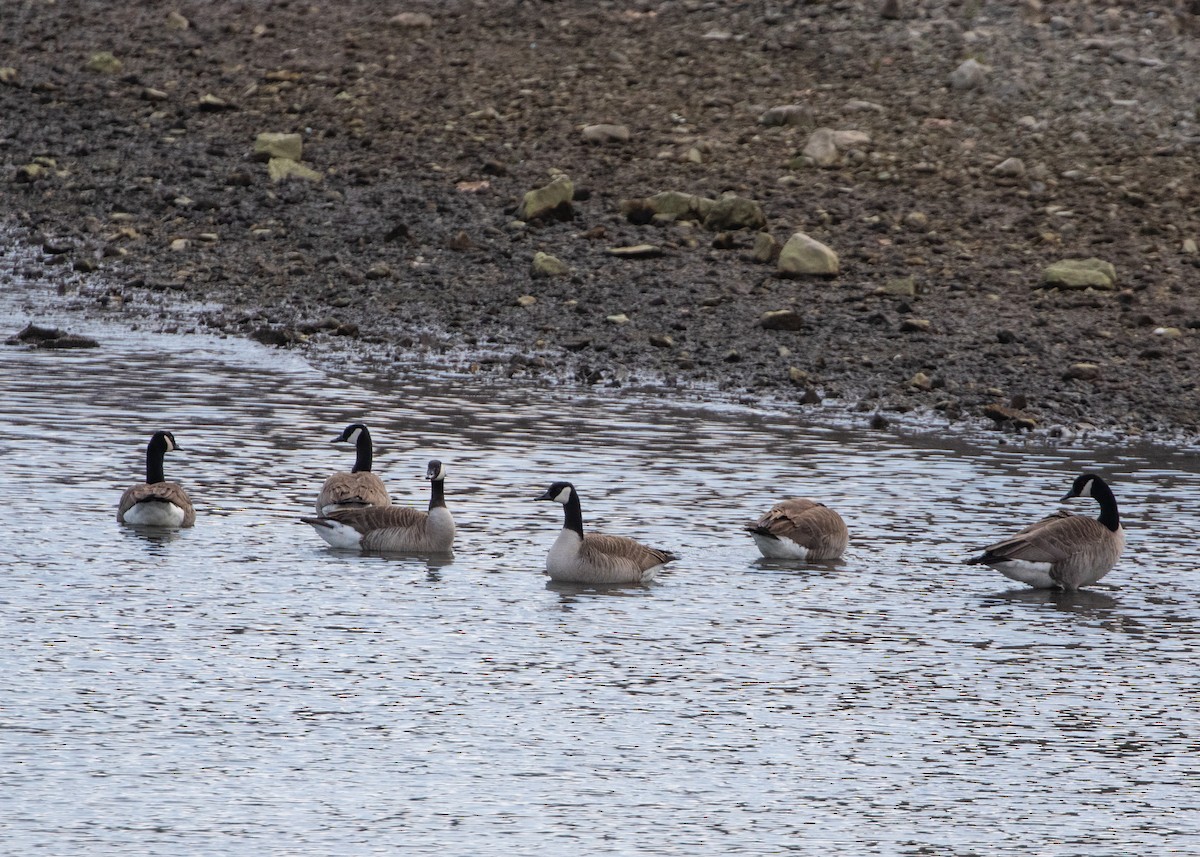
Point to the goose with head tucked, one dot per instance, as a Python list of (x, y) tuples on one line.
[(156, 502), (1063, 550), (393, 529), (360, 488), (595, 558), (800, 529)]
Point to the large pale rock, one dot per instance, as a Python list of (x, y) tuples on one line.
[(821, 147), (103, 62), (781, 319), (969, 75), (545, 265), (271, 145), (552, 200), (786, 114), (412, 20), (1081, 274), (667, 206), (802, 255), (766, 248), (281, 169), (735, 212), (605, 133)]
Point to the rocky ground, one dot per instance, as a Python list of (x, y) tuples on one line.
[(988, 141)]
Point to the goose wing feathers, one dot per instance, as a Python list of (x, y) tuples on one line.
[(805, 522), (363, 488), (374, 518), (604, 551), (167, 492), (1051, 540)]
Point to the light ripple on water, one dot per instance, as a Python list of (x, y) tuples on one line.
[(239, 687)]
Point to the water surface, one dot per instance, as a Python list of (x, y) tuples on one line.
[(239, 688)]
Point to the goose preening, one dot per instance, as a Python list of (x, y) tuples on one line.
[(156, 502), (360, 488), (393, 529), (1063, 550), (800, 529), (596, 558)]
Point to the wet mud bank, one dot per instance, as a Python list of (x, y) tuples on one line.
[(354, 181)]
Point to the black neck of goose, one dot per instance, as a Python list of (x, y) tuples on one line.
[(437, 494), (363, 460), (574, 514), (154, 461), (1108, 506)]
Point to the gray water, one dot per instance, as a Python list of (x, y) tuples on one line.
[(239, 688)]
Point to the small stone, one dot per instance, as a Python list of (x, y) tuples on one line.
[(545, 265), (269, 145), (378, 271), (30, 173), (781, 319), (766, 248), (921, 381), (604, 133), (103, 62), (899, 287), (526, 300), (281, 169), (637, 251), (821, 148), (210, 103), (1083, 371), (661, 340), (856, 105), (152, 94), (460, 241), (969, 75), (1189, 246), (549, 201), (8, 75), (797, 375), (786, 114), (1081, 274), (917, 221), (1009, 168), (803, 255), (1167, 332), (179, 245), (735, 212), (411, 20), (617, 319), (176, 21), (1004, 415), (845, 140), (915, 325)]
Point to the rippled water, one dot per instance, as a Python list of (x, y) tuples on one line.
[(239, 688)]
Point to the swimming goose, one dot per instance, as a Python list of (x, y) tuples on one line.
[(596, 558), (360, 487), (393, 529), (1063, 550), (156, 502), (800, 529)]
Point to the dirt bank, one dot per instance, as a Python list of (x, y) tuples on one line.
[(424, 124)]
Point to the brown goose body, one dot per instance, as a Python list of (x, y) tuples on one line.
[(156, 502), (358, 488), (393, 529), (595, 558), (1063, 550), (800, 529)]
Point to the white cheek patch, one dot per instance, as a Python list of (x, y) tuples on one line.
[(353, 438), (563, 496), (171, 447)]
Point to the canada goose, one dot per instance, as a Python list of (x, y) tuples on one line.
[(360, 487), (800, 529), (596, 558), (156, 502), (393, 529), (1063, 550)]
